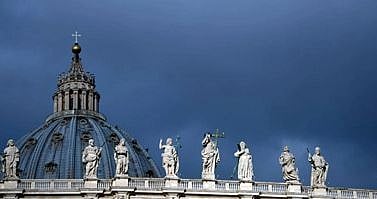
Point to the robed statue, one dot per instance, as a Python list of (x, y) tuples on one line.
[(10, 161), (90, 157), (210, 157), (319, 168), (121, 159), (245, 163), (170, 159), (288, 167)]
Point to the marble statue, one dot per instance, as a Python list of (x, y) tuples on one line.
[(245, 165), (10, 160), (210, 157), (288, 167), (319, 168), (90, 157), (121, 159), (170, 159)]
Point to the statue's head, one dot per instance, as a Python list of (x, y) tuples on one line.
[(169, 141), (317, 150), (242, 145), (91, 142), (286, 149), (10, 142), (206, 139), (122, 141)]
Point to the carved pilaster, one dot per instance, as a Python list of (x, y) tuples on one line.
[(96, 102), (60, 102), (66, 100), (83, 100), (55, 103), (90, 101), (75, 100)]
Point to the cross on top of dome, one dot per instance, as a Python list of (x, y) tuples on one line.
[(76, 35)]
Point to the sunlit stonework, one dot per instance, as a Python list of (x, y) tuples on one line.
[(76, 153)]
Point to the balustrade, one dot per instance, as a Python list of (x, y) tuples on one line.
[(188, 184), (46, 184), (104, 184)]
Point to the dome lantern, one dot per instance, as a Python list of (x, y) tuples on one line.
[(76, 88)]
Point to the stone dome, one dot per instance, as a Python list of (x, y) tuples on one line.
[(54, 149)]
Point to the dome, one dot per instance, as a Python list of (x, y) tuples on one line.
[(54, 150)]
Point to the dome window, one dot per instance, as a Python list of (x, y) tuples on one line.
[(50, 167), (83, 122), (114, 138), (86, 136), (30, 142), (57, 137), (63, 122)]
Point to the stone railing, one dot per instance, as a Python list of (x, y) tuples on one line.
[(351, 193), (47, 184), (147, 183), (187, 185), (227, 185)]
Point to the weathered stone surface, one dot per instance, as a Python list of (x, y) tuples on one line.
[(10, 160), (90, 157), (170, 159), (245, 163), (319, 169), (288, 167), (210, 158), (121, 159)]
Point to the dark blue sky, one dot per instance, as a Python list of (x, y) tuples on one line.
[(269, 72)]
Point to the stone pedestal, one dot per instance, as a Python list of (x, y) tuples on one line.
[(90, 183), (10, 183), (208, 176), (209, 184), (246, 185), (319, 192), (120, 181), (90, 190), (294, 188), (171, 182)]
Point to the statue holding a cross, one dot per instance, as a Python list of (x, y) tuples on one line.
[(210, 155)]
